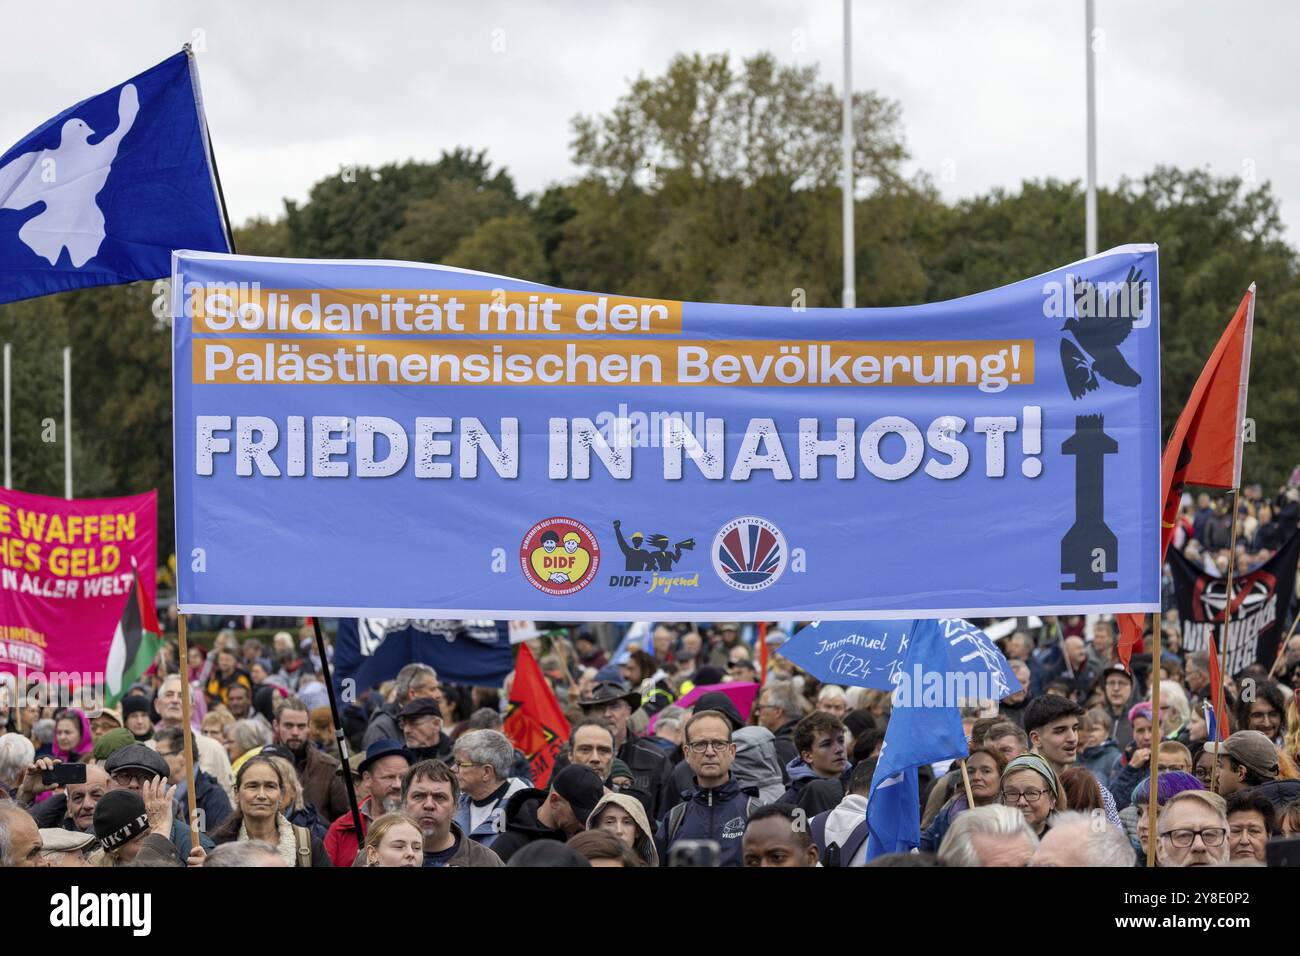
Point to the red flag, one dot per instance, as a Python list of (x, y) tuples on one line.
[(534, 722), (1205, 447)]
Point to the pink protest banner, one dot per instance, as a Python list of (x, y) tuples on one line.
[(67, 573)]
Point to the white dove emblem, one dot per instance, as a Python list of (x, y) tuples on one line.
[(67, 179)]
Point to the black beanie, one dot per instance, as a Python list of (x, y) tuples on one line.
[(119, 817), (133, 704)]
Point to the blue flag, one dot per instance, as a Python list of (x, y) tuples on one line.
[(947, 663), (851, 653), (102, 193), (370, 651)]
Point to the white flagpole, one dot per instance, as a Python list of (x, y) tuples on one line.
[(850, 281), (1090, 200), (9, 475), (67, 422)]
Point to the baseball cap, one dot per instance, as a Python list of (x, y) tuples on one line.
[(1251, 749), (581, 787)]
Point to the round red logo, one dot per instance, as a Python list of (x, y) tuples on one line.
[(559, 556)]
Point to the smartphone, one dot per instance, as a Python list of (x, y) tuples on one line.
[(695, 853), (64, 774)]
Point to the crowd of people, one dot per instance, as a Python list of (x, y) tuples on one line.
[(662, 767)]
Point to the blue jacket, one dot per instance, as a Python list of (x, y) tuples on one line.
[(718, 814), (1103, 760)]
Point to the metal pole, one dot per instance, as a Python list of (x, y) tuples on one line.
[(339, 739), (850, 282), (1090, 201), (1157, 735), (67, 422), (9, 475)]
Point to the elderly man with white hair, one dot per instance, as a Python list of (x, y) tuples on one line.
[(1193, 830), (1083, 839), (989, 836), (212, 755), (833, 701), (16, 753), (482, 760)]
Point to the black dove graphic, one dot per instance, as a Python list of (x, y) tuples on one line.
[(1101, 327)]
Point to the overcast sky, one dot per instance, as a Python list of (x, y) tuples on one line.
[(991, 92)]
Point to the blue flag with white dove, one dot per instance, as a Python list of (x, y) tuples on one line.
[(947, 664), (851, 653), (103, 192)]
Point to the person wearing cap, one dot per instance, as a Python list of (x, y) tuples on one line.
[(421, 725), (1248, 759), (384, 765), (429, 796), (133, 826), (66, 847), (614, 702), (553, 814), (716, 807), (1030, 785), (107, 719), (1118, 695), (137, 766), (1192, 830), (413, 681)]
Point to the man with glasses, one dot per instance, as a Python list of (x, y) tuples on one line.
[(1193, 830), (482, 760), (136, 765), (412, 681), (421, 724), (716, 808), (614, 703), (780, 709)]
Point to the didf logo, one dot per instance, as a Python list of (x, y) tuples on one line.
[(559, 556)]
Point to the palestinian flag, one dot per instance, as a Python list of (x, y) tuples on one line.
[(135, 643)]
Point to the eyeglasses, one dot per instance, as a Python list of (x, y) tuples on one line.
[(1213, 836), (466, 765), (702, 746), (1012, 797)]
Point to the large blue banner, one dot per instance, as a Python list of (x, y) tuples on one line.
[(387, 439)]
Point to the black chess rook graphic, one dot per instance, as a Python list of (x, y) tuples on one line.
[(1089, 550)]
